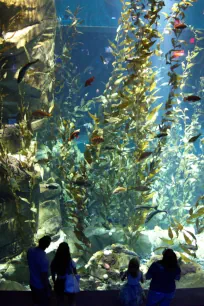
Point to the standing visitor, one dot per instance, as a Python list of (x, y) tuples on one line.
[(132, 293), (163, 274), (38, 267), (64, 267)]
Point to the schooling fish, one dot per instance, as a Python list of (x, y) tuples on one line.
[(153, 213), (89, 81), (74, 134), (174, 67), (23, 70), (178, 25), (144, 155), (192, 99), (97, 140), (146, 207), (108, 148), (119, 189), (139, 188), (178, 53), (194, 138), (190, 246), (161, 135), (52, 186), (164, 128), (103, 59), (131, 253), (40, 113), (81, 183)]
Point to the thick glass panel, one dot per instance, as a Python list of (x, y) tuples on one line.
[(101, 136)]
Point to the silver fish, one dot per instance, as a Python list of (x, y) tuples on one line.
[(131, 253), (146, 207), (153, 213), (190, 246)]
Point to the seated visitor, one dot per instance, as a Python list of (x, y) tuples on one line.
[(163, 274), (132, 293)]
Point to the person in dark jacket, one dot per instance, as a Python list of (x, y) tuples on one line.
[(163, 274), (61, 265), (39, 271)]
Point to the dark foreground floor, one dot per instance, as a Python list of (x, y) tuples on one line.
[(184, 297)]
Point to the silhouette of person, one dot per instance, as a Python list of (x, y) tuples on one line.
[(61, 265), (132, 293), (39, 266), (163, 274)]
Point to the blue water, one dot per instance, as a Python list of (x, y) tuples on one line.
[(94, 13), (86, 58)]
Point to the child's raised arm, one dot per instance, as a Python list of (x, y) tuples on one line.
[(123, 275), (142, 277)]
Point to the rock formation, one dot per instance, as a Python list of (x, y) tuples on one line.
[(27, 33)]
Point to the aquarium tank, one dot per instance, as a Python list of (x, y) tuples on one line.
[(102, 135)]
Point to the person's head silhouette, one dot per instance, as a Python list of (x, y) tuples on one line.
[(44, 242)]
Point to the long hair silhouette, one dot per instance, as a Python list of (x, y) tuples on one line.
[(133, 267), (62, 258), (169, 260)]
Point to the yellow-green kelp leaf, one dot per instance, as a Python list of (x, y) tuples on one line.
[(197, 214), (119, 189), (143, 145), (167, 241), (187, 239), (149, 196), (159, 248), (113, 120), (185, 258), (186, 250), (144, 155), (152, 87), (119, 80), (192, 235), (170, 233), (88, 156), (191, 211), (190, 65), (96, 120), (153, 113), (24, 200)]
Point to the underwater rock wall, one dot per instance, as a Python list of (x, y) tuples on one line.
[(50, 220), (27, 33)]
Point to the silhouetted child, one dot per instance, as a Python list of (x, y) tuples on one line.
[(132, 293), (163, 274)]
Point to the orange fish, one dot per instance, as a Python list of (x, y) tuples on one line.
[(147, 16), (74, 134), (178, 25), (40, 113), (89, 81), (97, 140), (178, 53)]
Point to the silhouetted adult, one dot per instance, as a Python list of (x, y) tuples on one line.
[(61, 265), (163, 274), (39, 266)]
